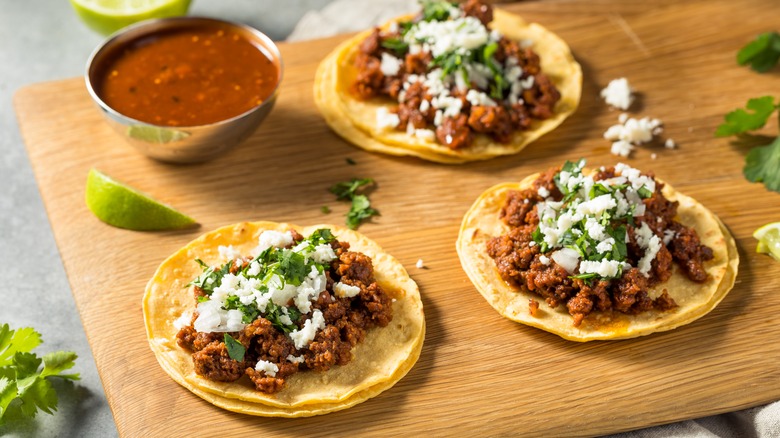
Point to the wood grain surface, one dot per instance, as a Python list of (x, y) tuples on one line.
[(478, 374)]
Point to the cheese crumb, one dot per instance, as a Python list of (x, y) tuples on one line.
[(303, 336), (385, 119), (269, 368), (544, 259), (618, 94), (670, 144), (390, 64), (420, 264), (343, 290), (653, 156), (622, 148)]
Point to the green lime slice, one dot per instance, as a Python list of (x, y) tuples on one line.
[(768, 238), (121, 206), (108, 16)]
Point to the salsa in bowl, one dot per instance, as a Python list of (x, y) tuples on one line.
[(185, 89)]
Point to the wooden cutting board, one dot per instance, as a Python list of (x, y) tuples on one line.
[(478, 374)]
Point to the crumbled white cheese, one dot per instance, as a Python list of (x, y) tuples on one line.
[(295, 359), (425, 106), (621, 148), (531, 244), (323, 254), (424, 134), (184, 320), (618, 93), (597, 205), (635, 131), (668, 235), (670, 144), (390, 65), (648, 241), (543, 192), (444, 36), (228, 252), (212, 318), (303, 336), (478, 98), (544, 259), (604, 268), (270, 369), (605, 246), (653, 156), (567, 258), (385, 119), (343, 290), (273, 238), (420, 264)]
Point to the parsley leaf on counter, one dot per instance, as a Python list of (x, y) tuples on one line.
[(24, 384), (740, 121), (762, 53), (762, 164), (361, 206)]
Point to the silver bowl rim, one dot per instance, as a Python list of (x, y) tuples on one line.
[(159, 24)]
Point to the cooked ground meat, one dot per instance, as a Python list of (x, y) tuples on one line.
[(519, 263), (346, 319), (456, 132)]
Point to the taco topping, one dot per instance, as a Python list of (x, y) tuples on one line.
[(298, 304), (595, 242), (453, 77)]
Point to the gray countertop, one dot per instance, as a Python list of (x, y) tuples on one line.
[(43, 40)]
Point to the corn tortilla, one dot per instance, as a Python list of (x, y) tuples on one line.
[(694, 300), (383, 358), (355, 119)]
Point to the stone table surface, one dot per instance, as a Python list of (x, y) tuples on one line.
[(43, 40)]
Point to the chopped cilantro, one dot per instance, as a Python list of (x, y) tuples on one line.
[(762, 53), (398, 46), (436, 10), (347, 189), (24, 384), (350, 161), (361, 206), (360, 210), (325, 209), (740, 121), (236, 351), (294, 266), (762, 164)]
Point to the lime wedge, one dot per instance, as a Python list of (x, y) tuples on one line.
[(768, 238), (121, 206), (108, 16)]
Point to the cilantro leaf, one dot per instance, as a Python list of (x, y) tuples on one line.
[(325, 209), (740, 121), (399, 47), (436, 10), (24, 385), (347, 189), (762, 53), (236, 351), (361, 206), (762, 164), (360, 210), (24, 340), (293, 265)]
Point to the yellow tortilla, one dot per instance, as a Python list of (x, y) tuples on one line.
[(694, 300), (355, 119), (383, 358)]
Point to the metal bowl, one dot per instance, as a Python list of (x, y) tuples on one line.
[(187, 144)]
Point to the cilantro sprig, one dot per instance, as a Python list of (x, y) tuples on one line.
[(436, 10), (762, 54), (762, 164), (361, 209), (24, 377)]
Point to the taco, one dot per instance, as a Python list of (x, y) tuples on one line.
[(614, 253), (451, 84), (273, 319)]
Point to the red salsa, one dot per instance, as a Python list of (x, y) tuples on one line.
[(187, 77)]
